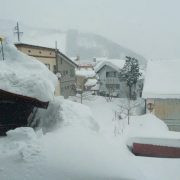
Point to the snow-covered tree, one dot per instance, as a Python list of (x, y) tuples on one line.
[(130, 73)]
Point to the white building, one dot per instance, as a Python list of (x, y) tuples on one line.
[(162, 91)]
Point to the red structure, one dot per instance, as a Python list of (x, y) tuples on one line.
[(151, 150)]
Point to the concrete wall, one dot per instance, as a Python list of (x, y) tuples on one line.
[(168, 110)]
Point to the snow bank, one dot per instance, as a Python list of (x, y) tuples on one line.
[(76, 114), (49, 119), (91, 82), (64, 113), (146, 125), (25, 75), (22, 142), (77, 150)]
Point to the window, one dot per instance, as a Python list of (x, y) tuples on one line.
[(39, 52), (71, 72), (29, 51), (48, 66), (61, 60), (54, 69), (65, 72), (62, 90), (111, 74), (112, 86)]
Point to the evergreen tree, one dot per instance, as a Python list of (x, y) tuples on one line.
[(130, 73)]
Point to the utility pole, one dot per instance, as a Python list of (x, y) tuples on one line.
[(17, 31), (56, 54)]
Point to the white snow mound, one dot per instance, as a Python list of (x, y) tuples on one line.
[(25, 75), (76, 114)]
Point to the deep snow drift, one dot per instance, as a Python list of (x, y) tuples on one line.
[(25, 75), (83, 146), (74, 141)]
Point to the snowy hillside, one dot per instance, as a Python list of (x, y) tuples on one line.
[(70, 42), (89, 45)]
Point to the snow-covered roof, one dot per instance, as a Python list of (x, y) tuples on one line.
[(24, 75), (91, 82), (85, 72), (162, 79), (95, 88), (116, 64)]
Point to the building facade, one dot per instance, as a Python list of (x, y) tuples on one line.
[(84, 74), (56, 62), (66, 68), (166, 109), (162, 91), (110, 83)]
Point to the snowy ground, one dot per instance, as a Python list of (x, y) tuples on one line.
[(84, 145)]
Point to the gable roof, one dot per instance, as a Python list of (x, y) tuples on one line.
[(67, 59), (33, 46), (87, 73), (162, 79), (8, 96), (116, 64), (46, 48)]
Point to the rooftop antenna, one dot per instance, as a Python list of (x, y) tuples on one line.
[(17, 31)]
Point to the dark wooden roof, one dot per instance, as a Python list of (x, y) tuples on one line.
[(8, 96)]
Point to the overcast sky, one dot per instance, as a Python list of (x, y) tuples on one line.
[(149, 27)]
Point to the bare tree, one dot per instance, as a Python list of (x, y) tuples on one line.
[(84, 95), (110, 94), (125, 110)]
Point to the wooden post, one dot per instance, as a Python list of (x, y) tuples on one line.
[(1, 39), (81, 96)]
